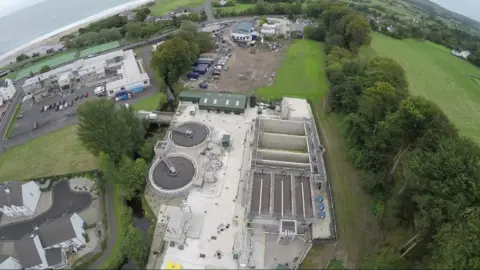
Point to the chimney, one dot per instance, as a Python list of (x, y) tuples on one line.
[(7, 190)]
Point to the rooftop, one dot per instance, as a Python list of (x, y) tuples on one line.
[(56, 231), (27, 252), (243, 27), (11, 194)]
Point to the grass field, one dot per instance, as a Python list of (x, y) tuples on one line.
[(301, 74), (52, 62), (99, 49), (438, 76), (12, 121), (162, 7), (237, 8), (150, 103), (59, 152)]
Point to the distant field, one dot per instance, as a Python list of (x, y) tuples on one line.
[(52, 62), (162, 7), (59, 152), (237, 8), (99, 49), (435, 74), (301, 73)]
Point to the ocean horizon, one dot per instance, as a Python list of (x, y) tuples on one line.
[(47, 16)]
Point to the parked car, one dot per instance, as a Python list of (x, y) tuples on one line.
[(60, 107), (85, 94), (80, 97), (99, 91), (71, 103), (57, 108), (20, 116), (203, 85), (65, 105), (76, 97), (42, 109), (35, 125)]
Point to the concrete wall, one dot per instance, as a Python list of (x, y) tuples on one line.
[(283, 142), (282, 126), (283, 156), (282, 164)]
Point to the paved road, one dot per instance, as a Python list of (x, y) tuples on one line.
[(111, 230), (64, 201)]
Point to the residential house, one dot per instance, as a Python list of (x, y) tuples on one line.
[(181, 11), (19, 198), (47, 247), (128, 14), (64, 232), (7, 90), (9, 262)]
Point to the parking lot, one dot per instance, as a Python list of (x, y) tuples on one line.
[(51, 119)]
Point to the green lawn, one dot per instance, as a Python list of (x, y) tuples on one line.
[(150, 103), (301, 74), (162, 7), (438, 76), (59, 152), (237, 8)]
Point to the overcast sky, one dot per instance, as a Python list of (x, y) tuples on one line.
[(469, 8)]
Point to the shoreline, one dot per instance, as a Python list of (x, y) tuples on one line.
[(54, 36)]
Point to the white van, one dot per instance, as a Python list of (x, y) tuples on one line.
[(99, 91)]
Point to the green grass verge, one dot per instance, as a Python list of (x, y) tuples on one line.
[(98, 49), (150, 103), (11, 123), (437, 75), (59, 152), (300, 75), (335, 265), (162, 7), (236, 8), (117, 257)]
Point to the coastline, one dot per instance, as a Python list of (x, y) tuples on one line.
[(54, 36)]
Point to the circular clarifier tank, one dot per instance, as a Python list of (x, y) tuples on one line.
[(189, 134), (173, 174)]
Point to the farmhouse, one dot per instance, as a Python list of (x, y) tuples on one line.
[(461, 54), (19, 199), (118, 69), (47, 246), (7, 90)]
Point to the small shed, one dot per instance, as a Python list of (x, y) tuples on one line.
[(226, 140)]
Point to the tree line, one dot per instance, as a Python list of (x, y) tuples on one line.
[(422, 173), (116, 136)]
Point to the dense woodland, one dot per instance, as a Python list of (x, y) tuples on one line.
[(422, 173)]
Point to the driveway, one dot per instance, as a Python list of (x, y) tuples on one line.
[(65, 201)]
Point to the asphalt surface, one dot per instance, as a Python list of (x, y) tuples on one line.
[(65, 201)]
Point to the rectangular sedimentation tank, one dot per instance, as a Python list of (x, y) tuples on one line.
[(283, 142), (282, 127)]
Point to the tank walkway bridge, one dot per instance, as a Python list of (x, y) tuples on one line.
[(156, 116)]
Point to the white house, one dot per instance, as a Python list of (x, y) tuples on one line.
[(7, 90), (19, 199), (8, 262), (31, 254), (242, 32), (461, 54), (64, 232)]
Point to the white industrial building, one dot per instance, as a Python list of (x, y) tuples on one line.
[(19, 199), (256, 190), (461, 54), (119, 70), (47, 246), (7, 90)]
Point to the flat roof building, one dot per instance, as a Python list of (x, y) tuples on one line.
[(220, 102), (242, 31)]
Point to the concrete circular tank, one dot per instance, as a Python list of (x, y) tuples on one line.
[(173, 174), (189, 134)]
